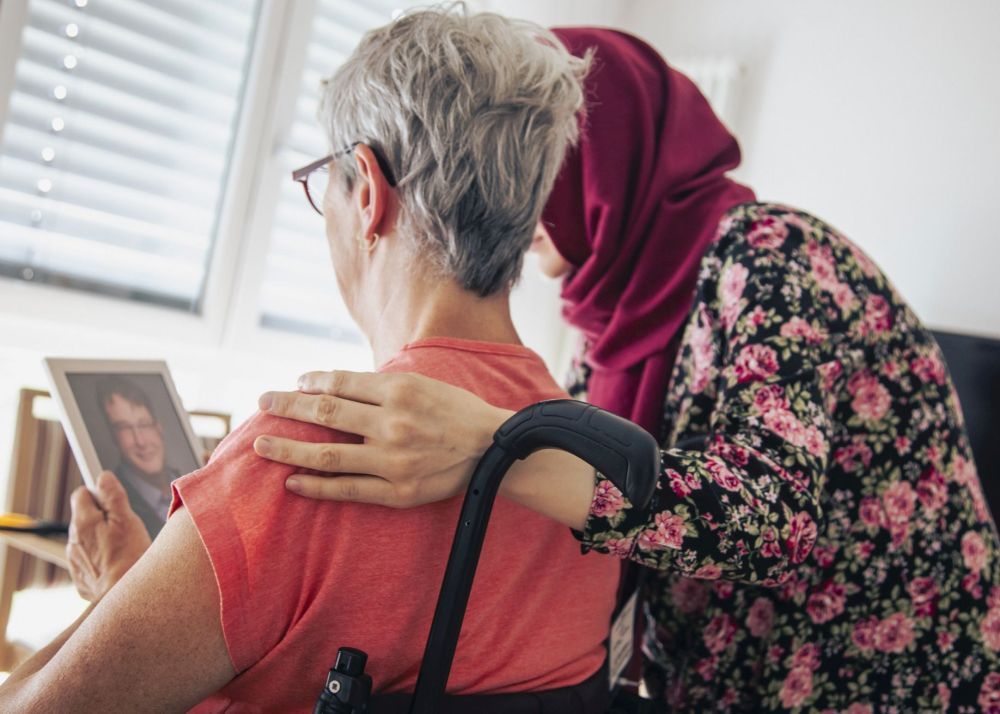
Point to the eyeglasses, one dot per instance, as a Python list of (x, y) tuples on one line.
[(143, 427), (315, 176)]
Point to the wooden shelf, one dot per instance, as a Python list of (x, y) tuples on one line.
[(51, 549)]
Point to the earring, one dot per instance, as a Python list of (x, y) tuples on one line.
[(375, 239)]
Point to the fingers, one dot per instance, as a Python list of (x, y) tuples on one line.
[(324, 410), (81, 562), (111, 493), (85, 510), (370, 387), (329, 458), (357, 489)]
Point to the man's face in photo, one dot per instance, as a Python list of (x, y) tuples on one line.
[(137, 433)]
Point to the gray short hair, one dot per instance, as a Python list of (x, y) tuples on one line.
[(473, 114)]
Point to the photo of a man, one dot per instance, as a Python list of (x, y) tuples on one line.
[(125, 417), (143, 469)]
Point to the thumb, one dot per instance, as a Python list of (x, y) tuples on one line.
[(110, 493)]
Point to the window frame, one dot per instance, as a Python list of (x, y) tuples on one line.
[(227, 318), (48, 319)]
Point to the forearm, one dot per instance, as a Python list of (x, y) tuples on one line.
[(554, 483), (38, 660)]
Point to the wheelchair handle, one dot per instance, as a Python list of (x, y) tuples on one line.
[(623, 452)]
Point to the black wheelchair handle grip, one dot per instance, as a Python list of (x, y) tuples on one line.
[(624, 453)]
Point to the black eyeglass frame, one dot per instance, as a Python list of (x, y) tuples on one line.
[(302, 175)]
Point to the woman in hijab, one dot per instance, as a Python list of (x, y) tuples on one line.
[(819, 538)]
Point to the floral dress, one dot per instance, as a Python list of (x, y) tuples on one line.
[(819, 536)]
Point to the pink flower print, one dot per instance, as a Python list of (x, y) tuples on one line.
[(671, 528), (894, 633), (902, 444), (706, 668), (844, 297), (727, 224), (729, 451), (891, 369), (990, 629), (858, 708), (806, 656), (878, 315), (932, 490), (702, 352), (731, 286), (871, 399), (853, 457), (821, 261), (677, 484), (689, 596), (801, 536), (608, 500), (863, 635), (993, 600), (974, 551), (944, 696), (794, 219), (770, 398), (830, 372), (866, 264), (786, 425), (827, 603), (760, 617), (929, 369), (824, 557), (722, 475), (755, 363), (796, 688), (864, 550), (768, 232), (923, 593), (899, 501), (870, 512), (945, 640), (963, 471), (723, 589), (989, 694), (797, 327), (620, 547), (770, 547), (709, 571), (719, 632), (815, 442), (970, 583)]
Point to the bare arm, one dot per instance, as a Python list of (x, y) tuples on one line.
[(153, 643)]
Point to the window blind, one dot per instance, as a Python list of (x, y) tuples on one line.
[(117, 143), (299, 291)]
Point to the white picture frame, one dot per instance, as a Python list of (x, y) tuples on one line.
[(100, 442)]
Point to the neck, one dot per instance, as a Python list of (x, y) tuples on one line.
[(422, 308)]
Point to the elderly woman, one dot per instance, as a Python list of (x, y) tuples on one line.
[(819, 539), (447, 132)]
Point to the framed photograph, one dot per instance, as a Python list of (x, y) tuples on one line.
[(125, 416)]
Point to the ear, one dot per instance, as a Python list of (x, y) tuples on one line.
[(374, 195)]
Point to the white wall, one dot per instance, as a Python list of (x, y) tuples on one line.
[(881, 117)]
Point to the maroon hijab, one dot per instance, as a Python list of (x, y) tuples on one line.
[(634, 209)]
